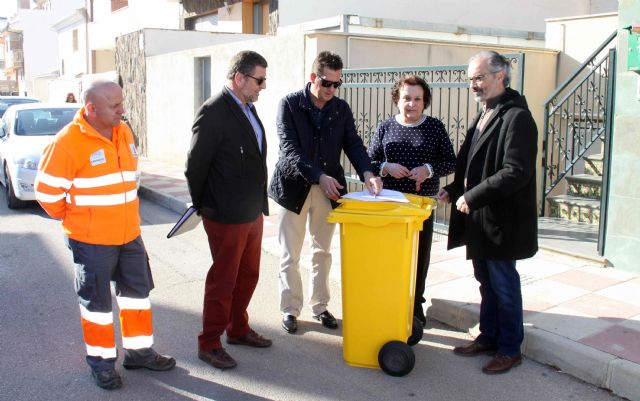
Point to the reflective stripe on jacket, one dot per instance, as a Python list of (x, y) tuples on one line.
[(90, 183)]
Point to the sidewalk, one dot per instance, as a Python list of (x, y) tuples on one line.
[(580, 317)]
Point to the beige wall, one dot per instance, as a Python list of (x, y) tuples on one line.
[(105, 60), (576, 38), (170, 87)]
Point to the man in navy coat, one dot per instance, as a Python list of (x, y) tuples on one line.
[(314, 128)]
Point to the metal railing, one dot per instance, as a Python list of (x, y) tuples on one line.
[(368, 92), (576, 116)]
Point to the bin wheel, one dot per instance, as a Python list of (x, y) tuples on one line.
[(396, 358), (417, 332)]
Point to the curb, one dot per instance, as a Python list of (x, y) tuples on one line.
[(581, 361), (167, 201), (596, 259)]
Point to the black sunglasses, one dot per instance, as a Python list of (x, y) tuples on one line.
[(259, 81), (327, 84)]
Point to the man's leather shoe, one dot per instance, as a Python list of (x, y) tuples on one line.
[(501, 364), (252, 339), (147, 358), (218, 358), (327, 320), (290, 323), (474, 348), (108, 379)]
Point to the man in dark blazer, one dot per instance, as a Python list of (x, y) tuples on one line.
[(227, 177), (494, 191)]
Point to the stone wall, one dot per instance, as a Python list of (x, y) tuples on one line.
[(131, 69)]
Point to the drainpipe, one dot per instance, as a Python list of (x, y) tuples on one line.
[(86, 36)]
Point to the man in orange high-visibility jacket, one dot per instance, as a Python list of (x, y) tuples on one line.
[(87, 178)]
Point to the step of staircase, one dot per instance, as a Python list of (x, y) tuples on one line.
[(593, 164), (574, 208), (585, 186)]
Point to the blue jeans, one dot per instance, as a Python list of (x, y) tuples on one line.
[(501, 305)]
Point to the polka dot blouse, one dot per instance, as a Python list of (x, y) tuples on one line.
[(414, 145)]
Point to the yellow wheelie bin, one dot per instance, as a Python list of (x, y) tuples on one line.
[(379, 244)]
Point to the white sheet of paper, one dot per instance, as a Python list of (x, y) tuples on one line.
[(386, 195)]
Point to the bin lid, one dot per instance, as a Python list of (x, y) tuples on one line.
[(352, 210)]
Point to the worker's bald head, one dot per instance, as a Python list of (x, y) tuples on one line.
[(98, 89), (103, 104)]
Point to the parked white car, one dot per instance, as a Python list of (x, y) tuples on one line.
[(6, 101), (25, 130)]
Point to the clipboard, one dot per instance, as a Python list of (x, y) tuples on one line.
[(188, 221)]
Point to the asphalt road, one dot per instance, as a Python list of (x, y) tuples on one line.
[(42, 353)]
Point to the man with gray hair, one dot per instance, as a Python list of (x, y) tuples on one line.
[(495, 217), (227, 177)]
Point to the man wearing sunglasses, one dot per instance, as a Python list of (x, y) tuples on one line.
[(227, 177), (314, 127)]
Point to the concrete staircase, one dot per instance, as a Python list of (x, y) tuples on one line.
[(581, 203)]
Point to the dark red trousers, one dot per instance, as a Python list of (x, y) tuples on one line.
[(231, 280)]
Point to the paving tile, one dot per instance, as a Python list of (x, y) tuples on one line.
[(583, 278), (603, 307), (632, 323), (537, 268), (458, 267), (152, 182), (533, 305), (179, 193), (460, 290), (162, 185), (437, 276), (271, 245), (551, 292), (615, 273), (627, 292), (439, 256), (561, 259), (269, 230), (568, 323), (617, 340)]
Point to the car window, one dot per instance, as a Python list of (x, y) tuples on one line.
[(49, 121), (3, 108), (5, 103)]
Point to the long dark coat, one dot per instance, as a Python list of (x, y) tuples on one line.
[(501, 186)]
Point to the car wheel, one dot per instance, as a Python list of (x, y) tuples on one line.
[(12, 200)]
